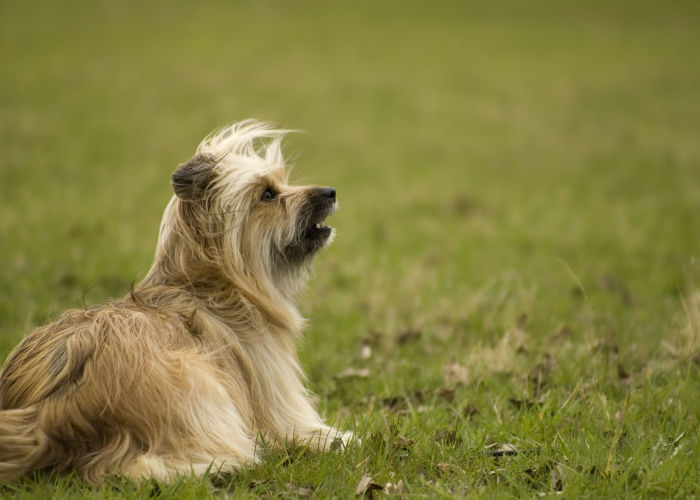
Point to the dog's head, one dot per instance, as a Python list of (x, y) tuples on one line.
[(235, 207)]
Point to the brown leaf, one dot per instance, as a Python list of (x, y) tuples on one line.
[(394, 488), (373, 338), (447, 393), (555, 478), (299, 490), (445, 468), (469, 410), (353, 373), (366, 487), (500, 451), (396, 404), (403, 443), (408, 335), (522, 320), (454, 374), (463, 204), (562, 333), (521, 403)]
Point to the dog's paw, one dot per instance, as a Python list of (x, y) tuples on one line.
[(341, 439)]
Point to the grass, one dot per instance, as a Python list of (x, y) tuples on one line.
[(516, 260)]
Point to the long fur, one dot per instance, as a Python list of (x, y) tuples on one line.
[(191, 369)]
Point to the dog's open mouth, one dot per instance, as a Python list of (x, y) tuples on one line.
[(319, 230), (314, 233)]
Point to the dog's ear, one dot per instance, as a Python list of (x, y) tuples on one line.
[(191, 179)]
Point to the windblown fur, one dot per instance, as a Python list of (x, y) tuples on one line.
[(190, 370)]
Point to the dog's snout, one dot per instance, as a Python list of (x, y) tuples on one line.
[(327, 192)]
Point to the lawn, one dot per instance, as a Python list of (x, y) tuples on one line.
[(512, 304)]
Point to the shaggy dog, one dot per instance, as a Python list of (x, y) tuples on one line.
[(187, 372)]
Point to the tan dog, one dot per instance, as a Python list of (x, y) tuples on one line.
[(195, 365)]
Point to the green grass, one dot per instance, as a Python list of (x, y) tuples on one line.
[(518, 238)]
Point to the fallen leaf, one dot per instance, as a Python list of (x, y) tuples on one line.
[(258, 482), (394, 488), (522, 320), (365, 352), (555, 478), (373, 338), (454, 373), (408, 335), (299, 490), (354, 373), (400, 404), (403, 443), (366, 487), (469, 410), (521, 403), (395, 403), (562, 333), (447, 393), (500, 451), (445, 468), (463, 204)]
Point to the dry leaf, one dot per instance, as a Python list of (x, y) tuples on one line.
[(562, 333), (469, 410), (408, 335), (354, 373), (403, 442), (365, 352), (395, 403), (373, 338), (444, 468), (500, 358), (447, 393), (503, 450), (463, 204), (299, 490), (454, 373), (394, 488), (521, 403), (555, 476), (366, 487)]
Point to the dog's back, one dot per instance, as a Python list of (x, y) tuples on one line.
[(102, 390)]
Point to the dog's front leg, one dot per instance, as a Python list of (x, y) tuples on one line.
[(287, 414)]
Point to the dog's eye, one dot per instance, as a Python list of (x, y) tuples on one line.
[(269, 194)]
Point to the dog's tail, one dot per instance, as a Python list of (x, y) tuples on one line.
[(23, 445)]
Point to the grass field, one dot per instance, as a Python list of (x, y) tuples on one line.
[(516, 266)]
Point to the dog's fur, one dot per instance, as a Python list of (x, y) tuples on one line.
[(197, 365)]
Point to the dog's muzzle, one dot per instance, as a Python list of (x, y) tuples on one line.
[(313, 232)]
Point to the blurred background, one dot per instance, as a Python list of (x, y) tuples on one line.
[(496, 162)]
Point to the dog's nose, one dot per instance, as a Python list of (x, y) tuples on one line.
[(327, 192)]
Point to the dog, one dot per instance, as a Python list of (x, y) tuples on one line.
[(197, 367)]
